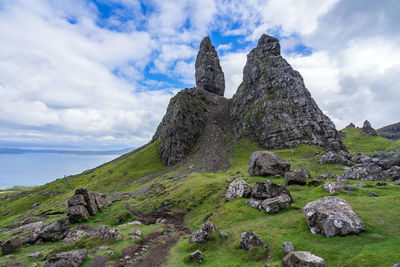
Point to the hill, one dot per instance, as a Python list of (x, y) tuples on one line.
[(391, 131)]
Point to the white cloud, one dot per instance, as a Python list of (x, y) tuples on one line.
[(232, 65)]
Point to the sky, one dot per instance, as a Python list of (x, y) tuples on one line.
[(100, 73)]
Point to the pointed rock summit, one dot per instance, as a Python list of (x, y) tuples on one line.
[(367, 129), (273, 107), (209, 75)]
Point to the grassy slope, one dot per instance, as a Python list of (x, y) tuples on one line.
[(200, 196)]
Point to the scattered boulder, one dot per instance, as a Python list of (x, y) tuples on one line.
[(361, 172), (332, 216), (295, 178), (268, 189), (303, 259), (254, 203), (29, 233), (197, 256), (331, 157), (249, 239), (204, 233), (135, 232), (263, 163), (274, 205), (373, 194), (104, 232), (333, 187), (387, 160), (67, 259), (223, 235), (238, 188), (77, 214), (392, 174), (287, 247), (74, 235), (304, 172), (11, 245), (84, 203), (367, 129), (55, 231)]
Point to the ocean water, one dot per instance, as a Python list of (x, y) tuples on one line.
[(40, 168)]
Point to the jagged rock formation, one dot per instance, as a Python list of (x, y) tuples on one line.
[(209, 75), (273, 107), (391, 131), (351, 125), (367, 129)]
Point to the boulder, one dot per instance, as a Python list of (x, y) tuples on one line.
[(254, 203), (304, 172), (295, 178), (77, 214), (387, 160), (197, 256), (263, 163), (287, 247), (90, 199), (333, 187), (67, 259), (238, 188), (74, 235), (204, 233), (105, 232), (29, 233), (367, 129), (373, 194), (11, 245), (331, 157), (332, 216), (314, 182), (361, 172), (55, 231), (268, 189), (223, 235), (303, 259), (274, 205), (76, 200), (249, 239), (392, 174)]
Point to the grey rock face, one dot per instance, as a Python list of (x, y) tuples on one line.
[(332, 216), (208, 74), (249, 239), (238, 188), (29, 233), (287, 247), (55, 231), (367, 129), (274, 205), (197, 256), (269, 189), (273, 107), (303, 259), (77, 213), (304, 172), (295, 178), (84, 203), (67, 259), (263, 163), (331, 157), (203, 234), (74, 235), (11, 245), (254, 203)]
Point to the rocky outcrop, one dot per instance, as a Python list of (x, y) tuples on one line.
[(67, 259), (268, 189), (249, 240), (204, 233), (11, 245), (263, 163), (84, 203), (330, 157), (332, 216), (274, 205), (273, 107), (74, 235), (367, 129), (55, 231), (208, 74), (238, 188), (303, 259), (29, 233), (390, 131), (295, 178)]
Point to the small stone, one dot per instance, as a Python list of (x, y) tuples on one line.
[(373, 194), (135, 232), (381, 184), (287, 247), (203, 234), (223, 235), (197, 256), (36, 255), (67, 259), (314, 182), (103, 248)]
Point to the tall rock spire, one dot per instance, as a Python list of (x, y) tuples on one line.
[(209, 75)]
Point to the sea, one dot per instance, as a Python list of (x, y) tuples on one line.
[(29, 169)]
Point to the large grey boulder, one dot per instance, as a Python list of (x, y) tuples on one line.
[(367, 129), (333, 187), (295, 178), (11, 245), (208, 74), (84, 203), (268, 189), (302, 259), (55, 231), (263, 163), (204, 233), (332, 216), (249, 239), (67, 259), (238, 188), (331, 157), (77, 214), (274, 205), (29, 233), (197, 256), (361, 172)]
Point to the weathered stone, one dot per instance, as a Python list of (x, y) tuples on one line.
[(287, 247), (263, 163), (90, 199), (197, 256), (74, 235), (67, 259), (223, 235), (333, 187), (11, 245), (314, 182), (76, 200), (361, 172), (55, 231), (367, 129), (101, 201), (373, 194), (105, 232), (238, 188), (303, 259), (249, 239), (29, 233), (331, 157), (77, 214), (274, 205), (254, 203), (268, 189), (387, 160), (396, 265), (203, 234), (332, 216), (304, 172), (273, 107), (36, 255), (295, 178), (208, 74), (351, 125)]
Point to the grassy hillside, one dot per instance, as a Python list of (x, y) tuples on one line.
[(200, 196)]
